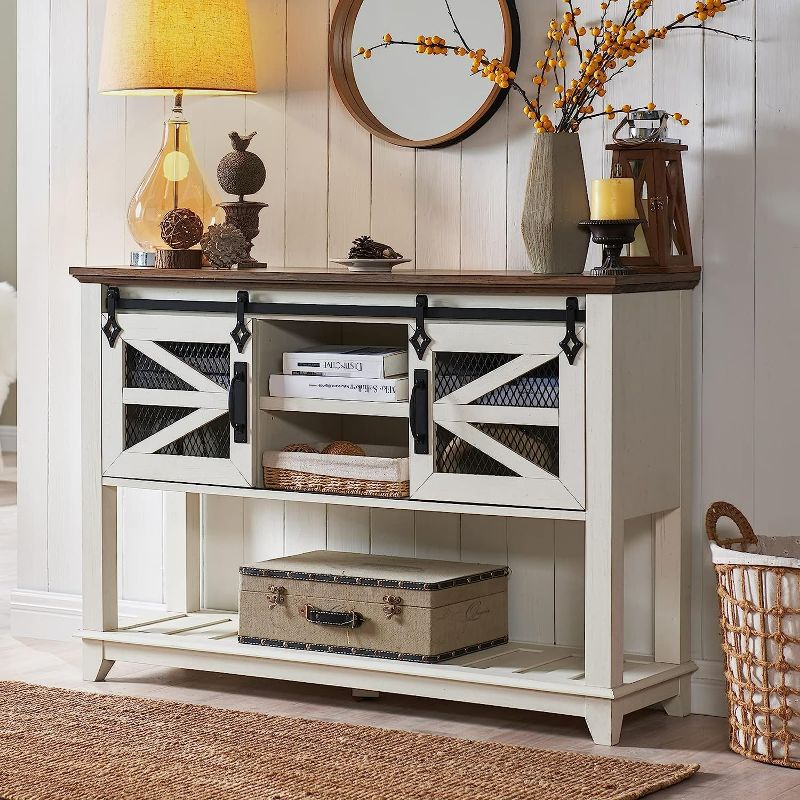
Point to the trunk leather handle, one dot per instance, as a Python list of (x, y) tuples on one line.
[(338, 619)]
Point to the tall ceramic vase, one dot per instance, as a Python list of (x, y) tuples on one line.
[(555, 202)]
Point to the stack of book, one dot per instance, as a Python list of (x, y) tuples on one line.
[(378, 374)]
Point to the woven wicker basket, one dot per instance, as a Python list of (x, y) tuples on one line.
[(759, 590), (320, 473)]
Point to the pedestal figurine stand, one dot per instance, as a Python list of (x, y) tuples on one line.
[(244, 215)]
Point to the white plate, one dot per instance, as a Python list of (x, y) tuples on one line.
[(370, 264)]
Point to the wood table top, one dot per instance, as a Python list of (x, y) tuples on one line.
[(454, 282)]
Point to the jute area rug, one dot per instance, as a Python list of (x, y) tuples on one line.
[(64, 745)]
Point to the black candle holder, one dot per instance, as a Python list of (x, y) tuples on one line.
[(613, 235)]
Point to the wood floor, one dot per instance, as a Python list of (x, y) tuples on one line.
[(647, 734)]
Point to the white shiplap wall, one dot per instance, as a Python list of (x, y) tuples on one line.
[(81, 156)]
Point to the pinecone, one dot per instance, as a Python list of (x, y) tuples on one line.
[(240, 172), (367, 247), (181, 228), (224, 246)]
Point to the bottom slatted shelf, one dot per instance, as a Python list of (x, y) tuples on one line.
[(515, 675)]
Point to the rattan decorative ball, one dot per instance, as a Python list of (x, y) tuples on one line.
[(299, 448), (224, 246), (241, 172), (181, 228), (343, 449)]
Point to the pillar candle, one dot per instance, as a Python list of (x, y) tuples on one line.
[(612, 198)]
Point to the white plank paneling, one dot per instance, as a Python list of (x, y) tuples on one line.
[(531, 599), (394, 196), (437, 535), (68, 122), (266, 114), (349, 175), (263, 524), (348, 529), (33, 202), (391, 532), (438, 211), (83, 156), (728, 231), (223, 551), (569, 593), (306, 133), (483, 195), (304, 527), (777, 437)]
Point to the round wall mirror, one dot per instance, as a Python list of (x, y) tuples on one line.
[(413, 99)]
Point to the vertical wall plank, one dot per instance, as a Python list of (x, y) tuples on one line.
[(438, 212), (533, 22), (483, 539), (684, 53), (307, 133), (348, 529), (777, 438), (266, 113), (263, 523), (639, 609), (437, 535), (33, 224), (394, 196), (68, 227), (483, 195), (728, 434), (223, 551), (141, 575), (391, 532), (304, 527), (531, 598), (349, 175), (569, 594)]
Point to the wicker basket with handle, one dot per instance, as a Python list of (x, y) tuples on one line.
[(758, 583)]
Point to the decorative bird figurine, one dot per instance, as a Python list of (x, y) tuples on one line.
[(239, 142)]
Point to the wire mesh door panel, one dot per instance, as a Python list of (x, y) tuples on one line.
[(166, 387), (507, 418)]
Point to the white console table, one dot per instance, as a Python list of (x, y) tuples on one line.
[(172, 401)]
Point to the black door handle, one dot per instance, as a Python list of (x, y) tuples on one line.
[(237, 402), (418, 412)]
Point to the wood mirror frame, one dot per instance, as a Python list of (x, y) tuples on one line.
[(340, 52)]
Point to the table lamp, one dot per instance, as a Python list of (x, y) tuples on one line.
[(174, 48)]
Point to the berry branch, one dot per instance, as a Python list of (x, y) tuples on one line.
[(614, 48)]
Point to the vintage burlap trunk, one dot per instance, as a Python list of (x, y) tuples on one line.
[(381, 606)]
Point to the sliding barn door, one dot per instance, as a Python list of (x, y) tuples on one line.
[(506, 417), (178, 401)]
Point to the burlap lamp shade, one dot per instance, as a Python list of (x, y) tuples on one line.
[(163, 46)]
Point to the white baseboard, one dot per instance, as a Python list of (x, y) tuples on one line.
[(708, 689), (49, 615), (8, 438)]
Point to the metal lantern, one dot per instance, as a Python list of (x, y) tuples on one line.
[(664, 240)]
